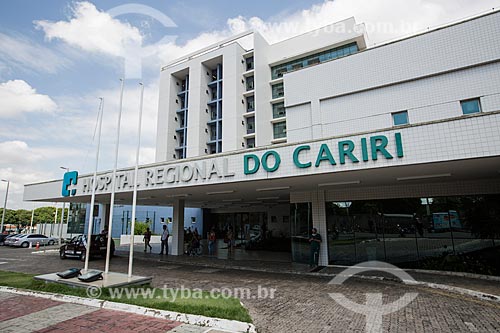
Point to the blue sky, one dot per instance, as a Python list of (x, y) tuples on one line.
[(58, 57)]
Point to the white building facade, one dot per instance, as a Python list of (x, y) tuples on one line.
[(391, 152)]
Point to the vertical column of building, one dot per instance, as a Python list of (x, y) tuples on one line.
[(178, 228), (234, 101), (278, 106), (262, 95), (214, 143), (319, 222), (167, 117), (182, 118), (249, 99), (198, 116)]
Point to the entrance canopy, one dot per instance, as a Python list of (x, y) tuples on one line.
[(375, 166)]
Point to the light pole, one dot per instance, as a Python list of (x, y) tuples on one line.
[(5, 204), (62, 213)]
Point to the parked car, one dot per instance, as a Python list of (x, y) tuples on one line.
[(26, 239), (8, 240), (76, 247)]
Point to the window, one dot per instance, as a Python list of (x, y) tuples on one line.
[(279, 110), (471, 106), (313, 59), (278, 90), (279, 130), (400, 118), (249, 63), (251, 143), (250, 104), (250, 125), (249, 81), (213, 112)]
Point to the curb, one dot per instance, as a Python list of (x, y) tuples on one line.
[(461, 291), (431, 285), (223, 324)]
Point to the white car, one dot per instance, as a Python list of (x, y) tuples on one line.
[(25, 240)]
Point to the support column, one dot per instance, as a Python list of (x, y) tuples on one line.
[(178, 229), (319, 222)]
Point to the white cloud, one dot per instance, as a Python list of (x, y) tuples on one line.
[(17, 152), (22, 54), (18, 96), (385, 19), (96, 31), (22, 164), (92, 30)]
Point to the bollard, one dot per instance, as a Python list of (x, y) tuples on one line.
[(37, 246)]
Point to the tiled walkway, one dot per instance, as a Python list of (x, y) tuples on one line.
[(23, 314)]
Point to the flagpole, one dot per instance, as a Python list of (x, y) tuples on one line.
[(134, 198), (32, 217), (113, 182), (94, 183)]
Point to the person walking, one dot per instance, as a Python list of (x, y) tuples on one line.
[(164, 240), (315, 241), (147, 240)]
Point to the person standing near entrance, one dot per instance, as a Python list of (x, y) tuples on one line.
[(147, 239), (230, 240), (164, 240), (315, 241), (211, 242)]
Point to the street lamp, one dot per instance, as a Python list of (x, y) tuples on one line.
[(4, 204), (62, 213)]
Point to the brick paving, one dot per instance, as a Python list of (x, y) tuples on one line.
[(112, 321), (26, 314), (301, 303), (12, 306)]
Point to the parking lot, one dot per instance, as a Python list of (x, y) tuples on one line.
[(301, 303)]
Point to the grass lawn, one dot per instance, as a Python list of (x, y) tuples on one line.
[(192, 301)]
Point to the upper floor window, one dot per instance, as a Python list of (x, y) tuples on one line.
[(400, 118), (471, 106), (250, 125), (278, 90), (250, 104), (249, 63), (251, 142), (279, 130), (313, 59), (279, 110), (249, 83)]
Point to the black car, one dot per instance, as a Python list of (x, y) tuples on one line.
[(76, 247)]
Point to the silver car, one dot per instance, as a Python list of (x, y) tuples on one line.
[(25, 240), (10, 238)]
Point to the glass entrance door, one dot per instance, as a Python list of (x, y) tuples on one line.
[(301, 225)]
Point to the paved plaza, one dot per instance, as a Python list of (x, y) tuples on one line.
[(23, 314), (301, 302)]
